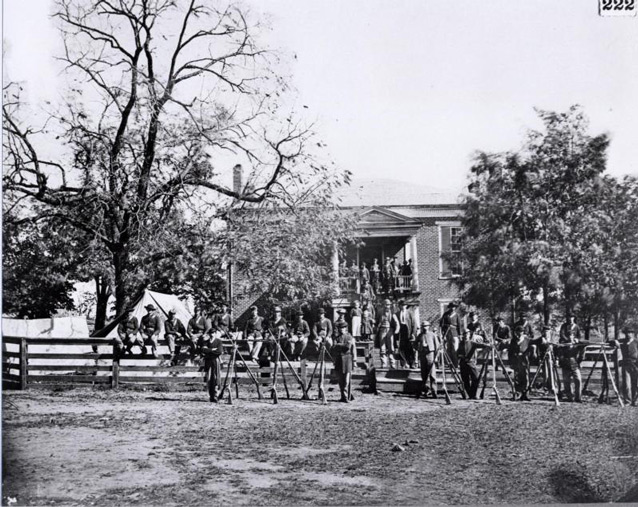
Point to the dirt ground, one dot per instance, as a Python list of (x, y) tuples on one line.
[(93, 447)]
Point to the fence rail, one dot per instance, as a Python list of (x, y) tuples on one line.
[(53, 361)]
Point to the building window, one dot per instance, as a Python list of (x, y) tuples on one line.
[(449, 251)]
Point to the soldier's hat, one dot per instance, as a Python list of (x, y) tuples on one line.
[(322, 311), (452, 305), (425, 323), (341, 311), (172, 311), (340, 324), (499, 319), (387, 302), (277, 309), (519, 329), (253, 308), (402, 302), (150, 307)]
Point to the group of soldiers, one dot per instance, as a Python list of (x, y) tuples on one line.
[(375, 279), (464, 343), (394, 332)]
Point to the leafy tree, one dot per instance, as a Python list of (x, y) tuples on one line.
[(158, 92), (34, 262), (521, 212)]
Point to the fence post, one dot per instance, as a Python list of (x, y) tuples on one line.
[(24, 370), (304, 374), (115, 374)]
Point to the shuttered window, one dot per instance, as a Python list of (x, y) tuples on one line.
[(450, 250)]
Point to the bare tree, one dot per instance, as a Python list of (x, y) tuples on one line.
[(159, 91)]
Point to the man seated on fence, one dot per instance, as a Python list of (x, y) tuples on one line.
[(212, 350), (253, 333), (629, 350), (387, 327), (279, 333), (467, 352), (428, 345), (569, 355), (127, 334), (196, 328), (322, 330), (300, 331), (151, 326), (176, 337), (223, 320), (344, 355)]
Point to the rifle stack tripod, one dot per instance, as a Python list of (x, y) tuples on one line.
[(279, 356)]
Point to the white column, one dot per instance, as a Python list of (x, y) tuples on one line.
[(415, 264), (335, 265)]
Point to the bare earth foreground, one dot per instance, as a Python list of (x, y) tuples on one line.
[(93, 447)]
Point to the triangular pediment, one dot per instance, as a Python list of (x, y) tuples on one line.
[(376, 214)]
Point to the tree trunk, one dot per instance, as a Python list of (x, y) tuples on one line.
[(616, 325), (587, 327), (120, 272), (103, 292), (606, 324)]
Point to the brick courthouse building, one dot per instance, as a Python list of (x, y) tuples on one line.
[(403, 221), (409, 222)]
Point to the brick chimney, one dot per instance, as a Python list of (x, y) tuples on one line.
[(238, 174)]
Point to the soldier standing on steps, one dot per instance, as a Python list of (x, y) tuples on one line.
[(344, 354), (387, 326)]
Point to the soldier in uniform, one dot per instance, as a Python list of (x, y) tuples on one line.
[(368, 306), (468, 347), (367, 326), (279, 329), (355, 320), (520, 349), (151, 326), (223, 320), (175, 335), (127, 334), (196, 328), (375, 272), (451, 328), (629, 350), (475, 327), (428, 344), (569, 355), (300, 331), (253, 332), (387, 327), (364, 274), (405, 334), (501, 336), (212, 349), (344, 354), (571, 326)]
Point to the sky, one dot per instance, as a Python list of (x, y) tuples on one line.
[(410, 89)]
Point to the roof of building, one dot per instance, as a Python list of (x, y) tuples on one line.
[(388, 192)]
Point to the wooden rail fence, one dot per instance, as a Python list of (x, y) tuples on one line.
[(89, 361)]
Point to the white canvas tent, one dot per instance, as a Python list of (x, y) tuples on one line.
[(163, 302), (55, 327)]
